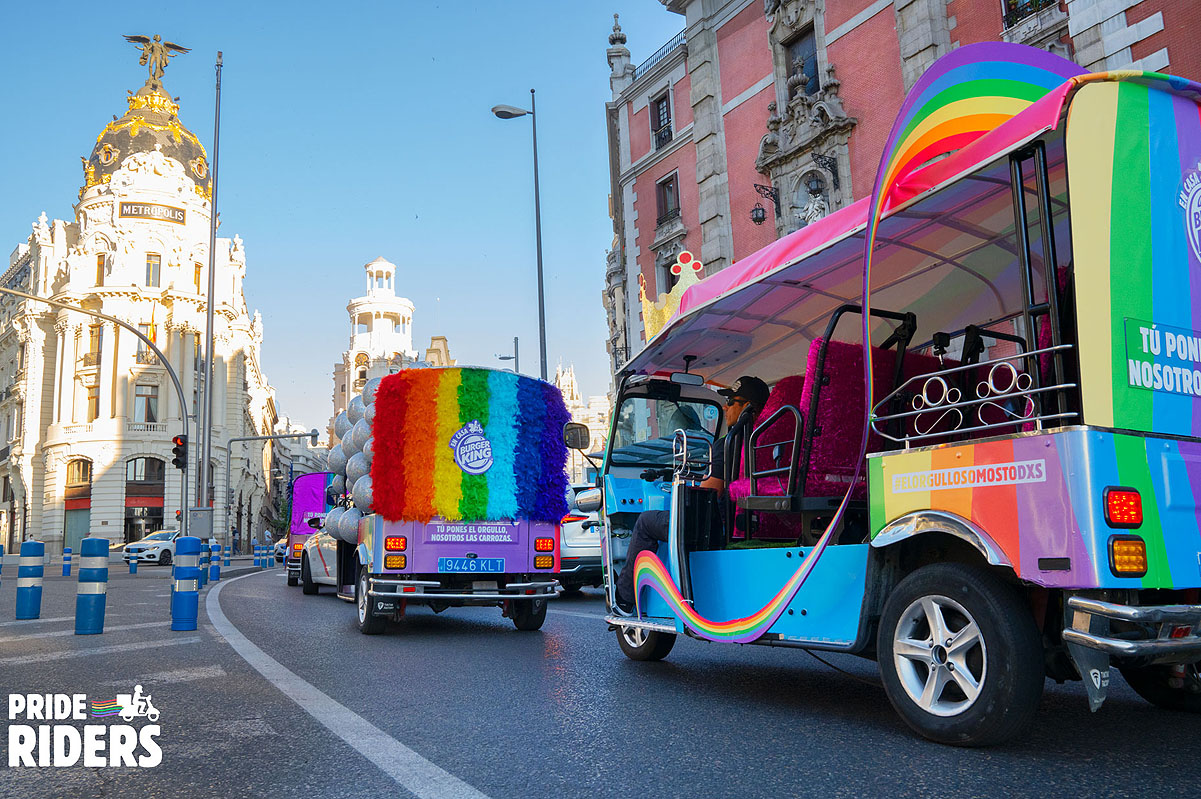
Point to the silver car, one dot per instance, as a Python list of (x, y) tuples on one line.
[(579, 546)]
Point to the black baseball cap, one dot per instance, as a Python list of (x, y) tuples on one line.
[(751, 389)]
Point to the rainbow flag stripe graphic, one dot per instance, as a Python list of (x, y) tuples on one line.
[(109, 708)]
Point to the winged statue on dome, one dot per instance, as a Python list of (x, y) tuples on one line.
[(155, 53)]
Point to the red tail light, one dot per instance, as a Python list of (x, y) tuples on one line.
[(1123, 507), (396, 543), (573, 517), (544, 545)]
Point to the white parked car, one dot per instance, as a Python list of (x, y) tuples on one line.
[(579, 546), (155, 548), (281, 549)]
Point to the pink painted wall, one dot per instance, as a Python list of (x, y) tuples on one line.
[(640, 132), (743, 54), (868, 61), (744, 126)]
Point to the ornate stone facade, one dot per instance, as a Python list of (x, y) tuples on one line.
[(89, 410)]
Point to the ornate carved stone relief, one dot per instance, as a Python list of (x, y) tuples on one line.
[(804, 152)]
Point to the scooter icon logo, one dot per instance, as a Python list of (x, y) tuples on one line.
[(137, 705)]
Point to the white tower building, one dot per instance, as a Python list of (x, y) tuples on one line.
[(381, 335)]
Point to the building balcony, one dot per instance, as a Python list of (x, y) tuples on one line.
[(146, 427), (1018, 10), (147, 357), (679, 40), (663, 137), (90, 359), (77, 429), (4, 453)]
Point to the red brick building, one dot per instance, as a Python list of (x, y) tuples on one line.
[(763, 115)]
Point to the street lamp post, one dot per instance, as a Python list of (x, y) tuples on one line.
[(513, 357), (511, 112)]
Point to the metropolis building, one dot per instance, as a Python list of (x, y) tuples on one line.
[(87, 412)]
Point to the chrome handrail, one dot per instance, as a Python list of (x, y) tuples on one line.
[(681, 466), (949, 400)]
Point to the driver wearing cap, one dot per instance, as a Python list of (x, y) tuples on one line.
[(747, 394)]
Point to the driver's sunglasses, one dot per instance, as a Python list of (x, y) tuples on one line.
[(730, 401)]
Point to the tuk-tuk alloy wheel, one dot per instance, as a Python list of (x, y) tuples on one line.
[(639, 644), (368, 624), (307, 586), (960, 656)]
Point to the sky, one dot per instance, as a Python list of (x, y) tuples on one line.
[(351, 130)]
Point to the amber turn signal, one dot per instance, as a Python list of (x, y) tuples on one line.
[(544, 562), (1127, 556), (394, 562)]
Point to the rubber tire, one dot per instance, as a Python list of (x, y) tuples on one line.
[(1150, 682), (1014, 674), (307, 586), (293, 580), (165, 558), (656, 646), (367, 623), (529, 614), (572, 590)]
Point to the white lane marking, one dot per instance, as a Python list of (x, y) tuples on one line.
[(108, 629), (36, 621), (97, 650), (178, 675), (408, 769), (596, 616)]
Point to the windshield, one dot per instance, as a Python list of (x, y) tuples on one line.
[(158, 537), (645, 427)]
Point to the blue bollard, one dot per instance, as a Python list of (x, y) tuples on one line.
[(185, 587), (133, 564), (204, 564), (1, 567), (66, 561), (29, 580), (227, 557), (214, 563), (91, 595), (256, 556)]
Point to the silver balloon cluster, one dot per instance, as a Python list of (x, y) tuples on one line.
[(350, 461)]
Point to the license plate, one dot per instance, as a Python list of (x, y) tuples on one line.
[(471, 564)]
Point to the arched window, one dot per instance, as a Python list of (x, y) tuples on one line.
[(79, 472), (145, 486)]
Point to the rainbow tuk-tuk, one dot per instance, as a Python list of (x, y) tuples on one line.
[(980, 460), (311, 501)]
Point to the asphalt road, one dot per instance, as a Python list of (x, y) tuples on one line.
[(460, 703)]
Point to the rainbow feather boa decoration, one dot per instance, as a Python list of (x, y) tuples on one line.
[(415, 474), (963, 96)]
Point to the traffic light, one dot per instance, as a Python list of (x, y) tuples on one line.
[(179, 452)]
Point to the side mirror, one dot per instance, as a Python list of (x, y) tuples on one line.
[(576, 435), (316, 522), (589, 500)]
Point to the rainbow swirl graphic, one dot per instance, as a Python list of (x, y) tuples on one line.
[(102, 709), (961, 97)]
